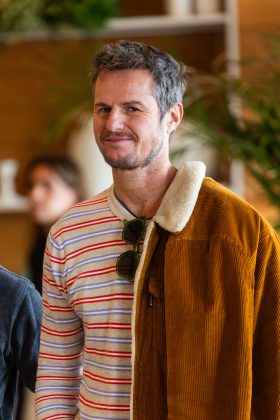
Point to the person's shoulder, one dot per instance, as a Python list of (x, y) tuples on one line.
[(98, 201), (222, 213), (14, 287), (82, 212), (11, 280), (223, 199)]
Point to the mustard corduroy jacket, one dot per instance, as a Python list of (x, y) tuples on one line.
[(206, 319)]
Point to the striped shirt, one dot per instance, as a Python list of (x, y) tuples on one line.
[(85, 350)]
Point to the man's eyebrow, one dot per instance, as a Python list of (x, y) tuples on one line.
[(128, 103), (101, 104), (139, 103)]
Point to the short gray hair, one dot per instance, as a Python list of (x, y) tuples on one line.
[(170, 76)]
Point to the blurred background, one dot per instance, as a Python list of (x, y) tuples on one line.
[(232, 115)]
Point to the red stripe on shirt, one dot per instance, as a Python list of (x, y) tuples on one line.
[(90, 203), (110, 407), (57, 308), (85, 224), (91, 273), (108, 325), (102, 379), (104, 298), (61, 334), (108, 353), (57, 357), (85, 249), (56, 396)]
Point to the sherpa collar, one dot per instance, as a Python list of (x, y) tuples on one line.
[(180, 199)]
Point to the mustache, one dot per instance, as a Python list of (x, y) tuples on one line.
[(107, 134)]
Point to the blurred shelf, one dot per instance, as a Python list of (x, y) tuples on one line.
[(130, 26), (18, 205), (164, 25)]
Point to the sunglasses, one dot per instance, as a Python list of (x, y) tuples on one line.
[(128, 261)]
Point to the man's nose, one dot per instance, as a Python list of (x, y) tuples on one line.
[(115, 120)]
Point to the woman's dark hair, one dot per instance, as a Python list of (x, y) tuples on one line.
[(63, 166)]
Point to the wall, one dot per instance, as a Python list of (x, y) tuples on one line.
[(257, 17)]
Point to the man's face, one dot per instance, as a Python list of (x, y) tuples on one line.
[(127, 125), (49, 196)]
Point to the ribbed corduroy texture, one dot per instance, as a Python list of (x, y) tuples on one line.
[(208, 348)]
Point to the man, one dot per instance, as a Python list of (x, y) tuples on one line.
[(20, 321), (193, 333)]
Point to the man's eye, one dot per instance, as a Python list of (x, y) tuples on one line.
[(133, 109), (102, 110)]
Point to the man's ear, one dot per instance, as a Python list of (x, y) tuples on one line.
[(174, 116)]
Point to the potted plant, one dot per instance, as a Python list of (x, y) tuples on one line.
[(241, 116), (23, 15)]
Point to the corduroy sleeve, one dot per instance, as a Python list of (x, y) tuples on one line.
[(61, 343), (266, 345)]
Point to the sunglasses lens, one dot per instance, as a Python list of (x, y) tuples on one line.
[(127, 264), (133, 230)]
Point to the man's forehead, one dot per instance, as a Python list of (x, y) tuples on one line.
[(124, 73), (128, 85)]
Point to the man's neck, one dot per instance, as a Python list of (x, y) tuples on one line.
[(142, 189)]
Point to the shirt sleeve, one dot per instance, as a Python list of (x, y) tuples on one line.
[(25, 335), (61, 343), (266, 346)]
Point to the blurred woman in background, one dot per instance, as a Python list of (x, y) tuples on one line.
[(53, 184)]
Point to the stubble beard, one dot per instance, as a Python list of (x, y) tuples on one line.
[(131, 162)]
